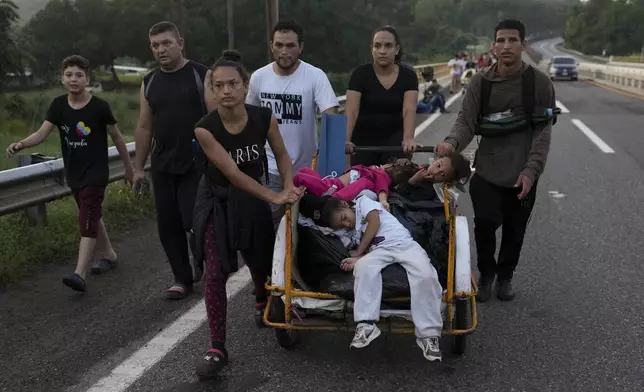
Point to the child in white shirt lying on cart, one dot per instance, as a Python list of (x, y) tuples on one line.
[(384, 241)]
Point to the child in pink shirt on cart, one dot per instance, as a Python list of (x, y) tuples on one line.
[(377, 179)]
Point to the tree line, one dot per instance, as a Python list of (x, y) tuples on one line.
[(610, 27), (337, 32)]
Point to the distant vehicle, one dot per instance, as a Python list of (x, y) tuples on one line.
[(95, 87), (563, 67), (128, 70)]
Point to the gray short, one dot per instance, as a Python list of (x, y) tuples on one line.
[(276, 184)]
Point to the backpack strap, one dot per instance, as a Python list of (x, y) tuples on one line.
[(146, 91), (528, 91), (486, 92), (200, 89)]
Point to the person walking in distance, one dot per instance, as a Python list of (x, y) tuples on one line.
[(172, 99), (233, 138), (511, 156), (294, 90), (84, 121)]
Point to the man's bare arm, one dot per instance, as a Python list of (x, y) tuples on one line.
[(143, 134)]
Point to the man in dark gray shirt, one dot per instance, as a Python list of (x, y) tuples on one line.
[(508, 165)]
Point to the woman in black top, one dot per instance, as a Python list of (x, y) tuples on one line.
[(232, 211), (381, 102)]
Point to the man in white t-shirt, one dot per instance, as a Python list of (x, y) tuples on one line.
[(456, 69), (295, 91), (384, 241)]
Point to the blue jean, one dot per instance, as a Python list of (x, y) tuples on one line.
[(276, 184)]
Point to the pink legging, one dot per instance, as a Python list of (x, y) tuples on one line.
[(318, 185)]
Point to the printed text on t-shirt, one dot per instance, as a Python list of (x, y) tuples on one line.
[(286, 107), (245, 155)]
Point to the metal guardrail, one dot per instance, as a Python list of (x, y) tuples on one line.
[(41, 183), (625, 78), (44, 182)]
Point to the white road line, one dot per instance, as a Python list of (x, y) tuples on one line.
[(592, 136), (425, 124), (562, 107), (152, 352)]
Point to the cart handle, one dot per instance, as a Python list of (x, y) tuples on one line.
[(389, 149)]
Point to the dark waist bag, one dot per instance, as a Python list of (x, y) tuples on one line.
[(516, 120)]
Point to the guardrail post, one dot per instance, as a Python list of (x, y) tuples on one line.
[(36, 215)]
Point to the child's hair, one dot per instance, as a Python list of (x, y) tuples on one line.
[(331, 206), (460, 165), (76, 61), (401, 170), (232, 58)]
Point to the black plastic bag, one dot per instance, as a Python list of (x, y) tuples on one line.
[(318, 255), (318, 260), (421, 212), (394, 283)]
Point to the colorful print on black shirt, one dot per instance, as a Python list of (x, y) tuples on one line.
[(83, 140)]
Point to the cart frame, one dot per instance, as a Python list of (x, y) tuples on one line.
[(456, 301)]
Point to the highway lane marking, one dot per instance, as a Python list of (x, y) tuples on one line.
[(130, 370), (425, 124), (592, 136), (562, 107)]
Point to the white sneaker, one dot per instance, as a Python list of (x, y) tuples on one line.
[(431, 348), (365, 334)]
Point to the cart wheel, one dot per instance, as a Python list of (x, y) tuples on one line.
[(287, 339), (459, 342)]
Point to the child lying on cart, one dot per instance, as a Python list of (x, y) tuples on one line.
[(384, 241), (379, 178)]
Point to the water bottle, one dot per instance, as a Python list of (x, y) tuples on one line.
[(550, 112)]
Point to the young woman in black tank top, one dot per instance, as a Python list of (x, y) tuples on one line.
[(232, 211)]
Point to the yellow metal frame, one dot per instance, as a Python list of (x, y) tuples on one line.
[(290, 292)]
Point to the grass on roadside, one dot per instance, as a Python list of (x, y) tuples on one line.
[(634, 58), (24, 249)]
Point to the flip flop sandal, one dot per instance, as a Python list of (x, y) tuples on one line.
[(103, 265), (177, 291), (75, 282)]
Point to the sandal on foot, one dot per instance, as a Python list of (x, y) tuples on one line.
[(103, 265), (75, 282), (178, 291), (259, 314)]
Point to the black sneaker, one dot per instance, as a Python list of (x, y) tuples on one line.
[(485, 289), (504, 290), (211, 364), (259, 314)]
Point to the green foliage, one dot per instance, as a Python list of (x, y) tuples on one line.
[(10, 53), (337, 32), (611, 25)]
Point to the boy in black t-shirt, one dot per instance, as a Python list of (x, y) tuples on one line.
[(84, 122)]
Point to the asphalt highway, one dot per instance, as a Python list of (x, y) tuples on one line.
[(576, 325)]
